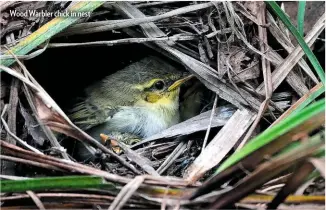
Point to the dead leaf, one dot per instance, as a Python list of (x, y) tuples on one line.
[(243, 66), (32, 126)]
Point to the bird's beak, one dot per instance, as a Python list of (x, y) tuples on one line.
[(179, 82)]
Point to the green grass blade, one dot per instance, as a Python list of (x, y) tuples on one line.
[(65, 182), (48, 30), (305, 100), (320, 153), (274, 132), (313, 175), (294, 145), (312, 58), (301, 12), (308, 100)]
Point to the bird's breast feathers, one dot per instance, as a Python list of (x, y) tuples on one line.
[(144, 120)]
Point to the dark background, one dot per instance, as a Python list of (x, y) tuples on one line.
[(65, 72)]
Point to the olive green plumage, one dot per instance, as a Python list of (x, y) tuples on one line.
[(134, 100)]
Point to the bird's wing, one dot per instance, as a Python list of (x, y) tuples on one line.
[(87, 115)]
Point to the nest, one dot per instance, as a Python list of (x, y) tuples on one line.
[(250, 77)]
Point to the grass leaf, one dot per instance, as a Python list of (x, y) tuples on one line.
[(274, 132), (266, 171), (310, 98), (312, 58), (304, 101), (65, 182), (301, 12)]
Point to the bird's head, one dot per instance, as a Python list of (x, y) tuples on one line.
[(162, 90), (159, 84), (149, 81)]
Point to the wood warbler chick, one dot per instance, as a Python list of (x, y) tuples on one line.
[(142, 99)]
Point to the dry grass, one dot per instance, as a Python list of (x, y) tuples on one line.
[(230, 47)]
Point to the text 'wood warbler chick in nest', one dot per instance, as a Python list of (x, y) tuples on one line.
[(140, 100)]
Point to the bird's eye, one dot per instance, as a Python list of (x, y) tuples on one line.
[(159, 85)]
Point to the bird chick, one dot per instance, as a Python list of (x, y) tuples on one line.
[(142, 99)]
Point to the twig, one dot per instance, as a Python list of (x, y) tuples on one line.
[(173, 156), (13, 103), (229, 67), (222, 31), (210, 123), (59, 163), (266, 67), (47, 131), (278, 180), (138, 159), (50, 103), (286, 43), (242, 37), (13, 135), (204, 73), (46, 98), (80, 168), (187, 50), (82, 135), (267, 171), (271, 188), (30, 162), (260, 113), (59, 195), (236, 17), (293, 78), (177, 37), (100, 26), (208, 48), (126, 192), (150, 4), (280, 73), (241, 8), (88, 199), (222, 26), (8, 167), (36, 200), (19, 76), (202, 53), (296, 179)]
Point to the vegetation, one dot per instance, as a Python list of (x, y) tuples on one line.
[(267, 153)]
